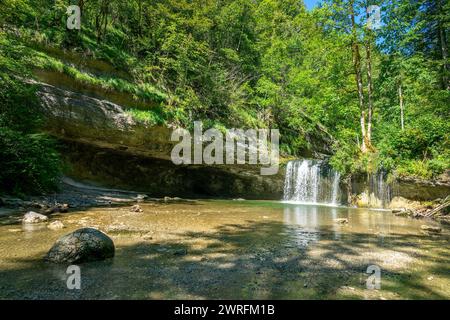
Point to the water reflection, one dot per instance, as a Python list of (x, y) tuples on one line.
[(303, 224)]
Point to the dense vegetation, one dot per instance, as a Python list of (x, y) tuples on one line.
[(28, 160), (382, 95)]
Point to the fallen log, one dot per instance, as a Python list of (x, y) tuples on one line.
[(436, 210)]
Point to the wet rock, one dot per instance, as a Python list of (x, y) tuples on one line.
[(431, 229), (62, 208), (34, 217), (136, 208), (341, 221), (82, 245), (401, 212), (169, 199), (141, 197), (56, 225)]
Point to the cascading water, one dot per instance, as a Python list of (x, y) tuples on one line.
[(335, 192), (311, 181), (380, 192)]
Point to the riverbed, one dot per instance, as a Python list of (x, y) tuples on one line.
[(214, 249)]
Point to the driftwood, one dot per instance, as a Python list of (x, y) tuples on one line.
[(437, 209)]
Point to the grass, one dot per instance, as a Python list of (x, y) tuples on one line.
[(33, 58), (142, 91), (148, 117)]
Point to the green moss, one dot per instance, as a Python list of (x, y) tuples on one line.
[(148, 117)]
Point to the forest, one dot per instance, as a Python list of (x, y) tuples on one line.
[(379, 94), (224, 150)]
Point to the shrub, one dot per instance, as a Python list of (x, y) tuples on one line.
[(29, 163)]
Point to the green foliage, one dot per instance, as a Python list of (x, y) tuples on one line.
[(148, 117), (28, 161), (241, 63)]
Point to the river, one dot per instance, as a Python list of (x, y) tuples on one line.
[(232, 250)]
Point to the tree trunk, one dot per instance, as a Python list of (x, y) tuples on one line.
[(400, 97), (369, 82), (357, 69), (81, 5), (140, 17), (98, 27), (444, 50)]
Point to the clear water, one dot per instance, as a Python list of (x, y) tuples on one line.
[(232, 250)]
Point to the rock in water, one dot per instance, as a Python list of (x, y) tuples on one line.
[(402, 213), (34, 217), (169, 199), (56, 225), (341, 221), (432, 229), (82, 245), (62, 208), (136, 208)]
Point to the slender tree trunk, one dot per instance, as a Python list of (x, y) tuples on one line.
[(400, 97), (140, 18), (357, 69), (81, 5), (444, 50), (98, 27), (369, 82), (105, 16), (105, 21)]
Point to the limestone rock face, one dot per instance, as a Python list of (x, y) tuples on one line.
[(82, 245), (79, 117), (161, 178)]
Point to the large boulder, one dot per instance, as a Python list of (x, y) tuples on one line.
[(34, 217), (82, 245)]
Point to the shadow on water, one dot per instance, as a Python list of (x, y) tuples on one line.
[(255, 260)]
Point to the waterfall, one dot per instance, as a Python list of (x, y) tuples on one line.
[(311, 181), (335, 192), (380, 192)]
